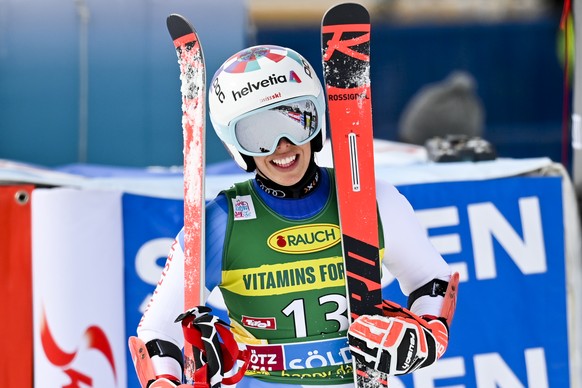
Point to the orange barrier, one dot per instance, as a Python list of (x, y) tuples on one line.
[(16, 286)]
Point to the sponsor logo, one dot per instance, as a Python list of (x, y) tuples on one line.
[(411, 351), (294, 359), (272, 80), (273, 96), (313, 359), (259, 323), (218, 90), (243, 208), (348, 96), (266, 358), (305, 238), (93, 339), (293, 77)]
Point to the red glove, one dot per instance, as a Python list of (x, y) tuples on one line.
[(215, 350), (399, 342)]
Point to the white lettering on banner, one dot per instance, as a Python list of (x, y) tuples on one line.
[(146, 260), (486, 223), (446, 244), (262, 359), (444, 368), (316, 360), (444, 216), (147, 256), (528, 254), (491, 371)]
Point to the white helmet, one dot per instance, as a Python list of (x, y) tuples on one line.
[(262, 94)]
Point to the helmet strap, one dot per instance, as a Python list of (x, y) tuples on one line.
[(250, 163), (317, 142)]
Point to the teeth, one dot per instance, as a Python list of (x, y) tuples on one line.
[(285, 161)]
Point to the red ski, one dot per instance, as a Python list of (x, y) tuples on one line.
[(193, 90), (346, 63)]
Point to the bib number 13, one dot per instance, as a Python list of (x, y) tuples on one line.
[(297, 309)]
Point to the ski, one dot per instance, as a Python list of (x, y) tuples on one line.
[(193, 91), (345, 38)]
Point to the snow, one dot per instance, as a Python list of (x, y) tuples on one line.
[(193, 90)]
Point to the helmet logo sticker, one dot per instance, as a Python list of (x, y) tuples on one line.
[(251, 59), (271, 97), (293, 77), (264, 83), (218, 91)]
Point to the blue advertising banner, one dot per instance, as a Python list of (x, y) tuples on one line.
[(149, 227), (506, 239)]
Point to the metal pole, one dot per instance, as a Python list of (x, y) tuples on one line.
[(83, 11), (577, 100)]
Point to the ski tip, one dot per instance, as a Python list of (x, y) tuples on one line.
[(346, 13), (178, 26)]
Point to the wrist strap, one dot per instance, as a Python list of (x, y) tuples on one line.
[(435, 287), (161, 348)]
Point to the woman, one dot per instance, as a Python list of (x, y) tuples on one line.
[(283, 288)]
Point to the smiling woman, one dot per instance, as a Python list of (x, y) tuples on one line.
[(273, 242)]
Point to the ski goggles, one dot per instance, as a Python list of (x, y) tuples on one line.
[(258, 134)]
